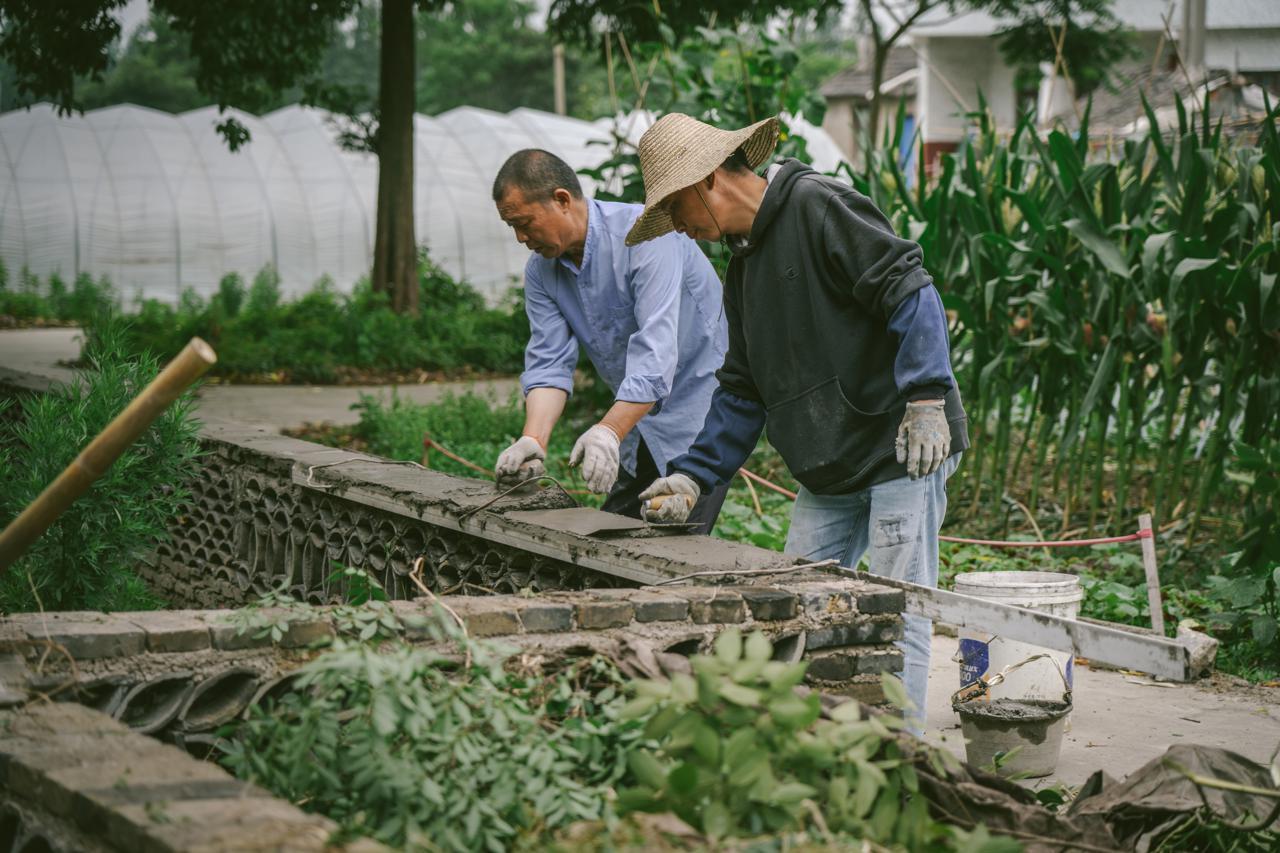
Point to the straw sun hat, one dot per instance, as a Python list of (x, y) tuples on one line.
[(678, 151)]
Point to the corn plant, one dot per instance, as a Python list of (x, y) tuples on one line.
[(1116, 322)]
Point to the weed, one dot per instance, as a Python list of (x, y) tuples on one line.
[(85, 560)]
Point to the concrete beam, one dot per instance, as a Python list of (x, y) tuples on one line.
[(1182, 659), (643, 558)]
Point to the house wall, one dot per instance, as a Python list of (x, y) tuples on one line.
[(838, 123), (970, 66), (1243, 50)]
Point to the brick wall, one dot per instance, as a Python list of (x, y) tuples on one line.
[(179, 675)]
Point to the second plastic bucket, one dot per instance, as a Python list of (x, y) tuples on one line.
[(980, 653)]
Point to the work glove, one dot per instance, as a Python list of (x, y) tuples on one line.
[(526, 454), (924, 438), (597, 451), (675, 496)]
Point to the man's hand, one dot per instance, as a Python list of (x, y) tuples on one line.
[(675, 497), (924, 438), (526, 453), (597, 451)]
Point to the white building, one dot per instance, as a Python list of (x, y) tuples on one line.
[(957, 57)]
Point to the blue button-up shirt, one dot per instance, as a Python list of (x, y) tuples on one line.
[(649, 317)]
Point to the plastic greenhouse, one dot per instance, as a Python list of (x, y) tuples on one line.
[(157, 203)]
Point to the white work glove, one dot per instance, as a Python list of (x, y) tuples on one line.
[(526, 453), (924, 438), (679, 494), (597, 451)]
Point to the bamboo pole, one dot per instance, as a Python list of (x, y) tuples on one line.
[(189, 365)]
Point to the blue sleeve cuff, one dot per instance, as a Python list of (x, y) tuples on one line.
[(643, 388), (728, 437), (531, 379)]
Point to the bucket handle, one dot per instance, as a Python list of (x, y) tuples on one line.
[(982, 687)]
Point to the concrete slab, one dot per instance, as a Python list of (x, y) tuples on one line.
[(276, 407), (1121, 722)]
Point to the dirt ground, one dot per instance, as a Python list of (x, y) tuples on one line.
[(1121, 721)]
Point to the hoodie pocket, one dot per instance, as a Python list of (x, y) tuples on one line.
[(825, 440)]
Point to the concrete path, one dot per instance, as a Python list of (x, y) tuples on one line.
[(1121, 722), (275, 406), (39, 351)]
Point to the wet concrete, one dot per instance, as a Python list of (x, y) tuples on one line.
[(39, 351), (1120, 722)]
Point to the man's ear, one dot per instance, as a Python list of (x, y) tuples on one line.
[(563, 199), (711, 180)]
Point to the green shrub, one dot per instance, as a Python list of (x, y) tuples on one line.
[(86, 559), (735, 752), (407, 746), (452, 747), (52, 301), (323, 333)]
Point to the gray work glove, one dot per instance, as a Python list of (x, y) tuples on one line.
[(924, 438), (520, 461), (674, 496), (597, 451)]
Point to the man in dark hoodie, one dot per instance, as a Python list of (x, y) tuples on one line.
[(837, 338)]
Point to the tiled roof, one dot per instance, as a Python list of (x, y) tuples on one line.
[(855, 81)]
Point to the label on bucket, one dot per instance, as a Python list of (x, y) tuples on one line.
[(974, 657)]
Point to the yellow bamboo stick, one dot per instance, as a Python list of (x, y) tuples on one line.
[(189, 365)]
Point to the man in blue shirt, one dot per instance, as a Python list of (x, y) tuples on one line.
[(648, 316)]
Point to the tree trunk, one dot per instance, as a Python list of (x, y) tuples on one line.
[(394, 249), (877, 78)]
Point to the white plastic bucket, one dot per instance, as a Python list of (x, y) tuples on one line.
[(981, 653)]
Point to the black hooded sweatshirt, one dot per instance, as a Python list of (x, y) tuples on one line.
[(808, 300)]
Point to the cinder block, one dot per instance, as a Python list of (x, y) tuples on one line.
[(173, 630), (824, 599), (485, 617), (882, 601), (596, 615), (869, 691), (659, 607), (255, 823), (89, 635), (226, 633), (841, 665), (714, 605), (307, 632), (768, 604), (854, 633), (543, 617)]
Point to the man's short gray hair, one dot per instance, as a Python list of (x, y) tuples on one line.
[(537, 174)]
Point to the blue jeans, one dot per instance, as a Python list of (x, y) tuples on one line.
[(896, 524)]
